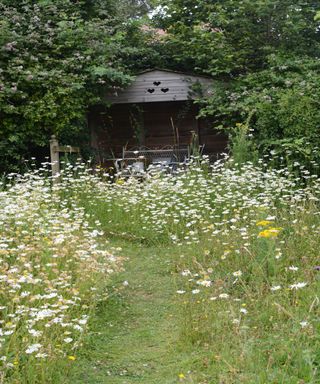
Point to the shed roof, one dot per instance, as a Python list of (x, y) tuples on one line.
[(157, 85)]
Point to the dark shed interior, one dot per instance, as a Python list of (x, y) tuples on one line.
[(157, 111)]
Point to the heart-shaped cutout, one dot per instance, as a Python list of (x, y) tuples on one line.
[(150, 90), (164, 90), (157, 83)]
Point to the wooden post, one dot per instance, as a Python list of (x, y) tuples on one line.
[(55, 149), (54, 156)]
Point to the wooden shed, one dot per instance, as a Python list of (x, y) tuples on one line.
[(157, 111)]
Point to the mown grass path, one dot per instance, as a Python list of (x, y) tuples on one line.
[(134, 339)]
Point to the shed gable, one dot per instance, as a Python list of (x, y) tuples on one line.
[(160, 85)]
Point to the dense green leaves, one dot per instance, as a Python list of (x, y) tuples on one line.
[(266, 56), (58, 57), (55, 58), (238, 36)]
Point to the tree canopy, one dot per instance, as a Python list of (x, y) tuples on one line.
[(266, 56), (58, 57)]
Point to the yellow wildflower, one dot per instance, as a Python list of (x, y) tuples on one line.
[(263, 223), (72, 358), (271, 232), (181, 376)]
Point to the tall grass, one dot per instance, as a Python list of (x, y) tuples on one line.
[(53, 267), (248, 272)]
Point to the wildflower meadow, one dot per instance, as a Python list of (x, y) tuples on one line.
[(241, 251), (51, 270)]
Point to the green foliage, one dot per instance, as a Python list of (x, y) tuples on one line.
[(242, 147), (286, 115), (265, 54), (234, 39), (59, 57), (55, 59)]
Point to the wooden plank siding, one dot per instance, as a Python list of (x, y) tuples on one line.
[(159, 86), (112, 128)]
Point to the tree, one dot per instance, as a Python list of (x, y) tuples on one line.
[(56, 58), (266, 56), (227, 37)]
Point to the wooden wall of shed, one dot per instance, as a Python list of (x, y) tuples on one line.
[(159, 86), (214, 142), (112, 128), (160, 119)]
